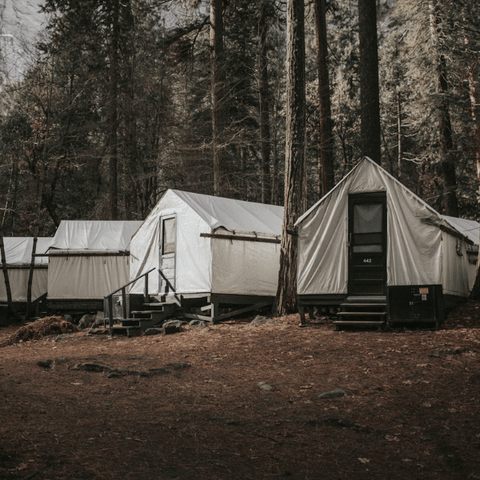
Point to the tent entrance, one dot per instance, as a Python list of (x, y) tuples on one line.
[(167, 244), (367, 228)]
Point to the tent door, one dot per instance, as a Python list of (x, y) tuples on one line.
[(367, 228), (168, 249)]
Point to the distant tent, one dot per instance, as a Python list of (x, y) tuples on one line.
[(18, 252), (89, 259), (370, 232), (209, 245)]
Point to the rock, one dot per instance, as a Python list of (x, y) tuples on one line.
[(86, 321), (99, 318), (173, 326), (62, 337), (45, 363), (179, 365), (153, 331), (265, 387), (91, 367), (197, 324), (159, 371), (261, 320), (68, 318), (334, 394)]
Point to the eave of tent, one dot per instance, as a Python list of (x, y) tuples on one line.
[(18, 250), (236, 216), (93, 236)]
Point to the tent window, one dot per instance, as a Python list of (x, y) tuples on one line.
[(168, 240), (367, 218)]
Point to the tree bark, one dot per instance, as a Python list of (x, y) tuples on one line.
[(113, 140), (472, 51), (265, 139), (218, 97), (446, 143), (325, 160), (369, 84), (286, 300)]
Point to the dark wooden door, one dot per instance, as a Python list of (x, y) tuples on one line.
[(367, 225)]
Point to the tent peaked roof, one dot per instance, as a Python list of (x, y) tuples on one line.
[(95, 235), (18, 250), (367, 171), (235, 215)]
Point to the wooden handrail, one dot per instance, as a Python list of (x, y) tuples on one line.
[(109, 298)]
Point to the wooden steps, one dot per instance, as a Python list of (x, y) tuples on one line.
[(141, 320), (367, 311)]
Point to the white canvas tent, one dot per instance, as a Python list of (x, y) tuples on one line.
[(209, 245), (411, 243), (89, 259), (18, 253)]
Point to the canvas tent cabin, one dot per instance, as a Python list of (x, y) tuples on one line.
[(372, 241), (88, 260), (18, 256), (213, 251)]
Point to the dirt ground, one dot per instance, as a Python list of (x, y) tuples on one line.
[(234, 401)]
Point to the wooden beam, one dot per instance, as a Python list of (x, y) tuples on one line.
[(242, 238)]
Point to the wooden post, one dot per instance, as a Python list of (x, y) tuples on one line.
[(124, 302), (145, 292), (110, 313), (30, 278), (11, 307)]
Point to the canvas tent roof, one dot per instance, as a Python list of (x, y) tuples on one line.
[(468, 228), (235, 215), (18, 250), (94, 235)]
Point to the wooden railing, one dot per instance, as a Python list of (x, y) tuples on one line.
[(108, 299)]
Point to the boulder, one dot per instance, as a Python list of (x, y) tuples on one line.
[(86, 321)]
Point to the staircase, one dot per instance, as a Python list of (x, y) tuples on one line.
[(362, 311), (153, 314)]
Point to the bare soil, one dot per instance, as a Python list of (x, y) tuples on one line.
[(234, 401)]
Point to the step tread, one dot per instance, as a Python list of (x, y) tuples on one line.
[(359, 322), (366, 299), (362, 314), (363, 305)]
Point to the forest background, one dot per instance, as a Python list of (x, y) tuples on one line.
[(117, 105)]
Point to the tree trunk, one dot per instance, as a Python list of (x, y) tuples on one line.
[(113, 140), (325, 161), (218, 96), (399, 135), (446, 144), (369, 85), (265, 139), (286, 300), (473, 85), (447, 160)]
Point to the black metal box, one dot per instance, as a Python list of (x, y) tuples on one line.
[(415, 303)]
